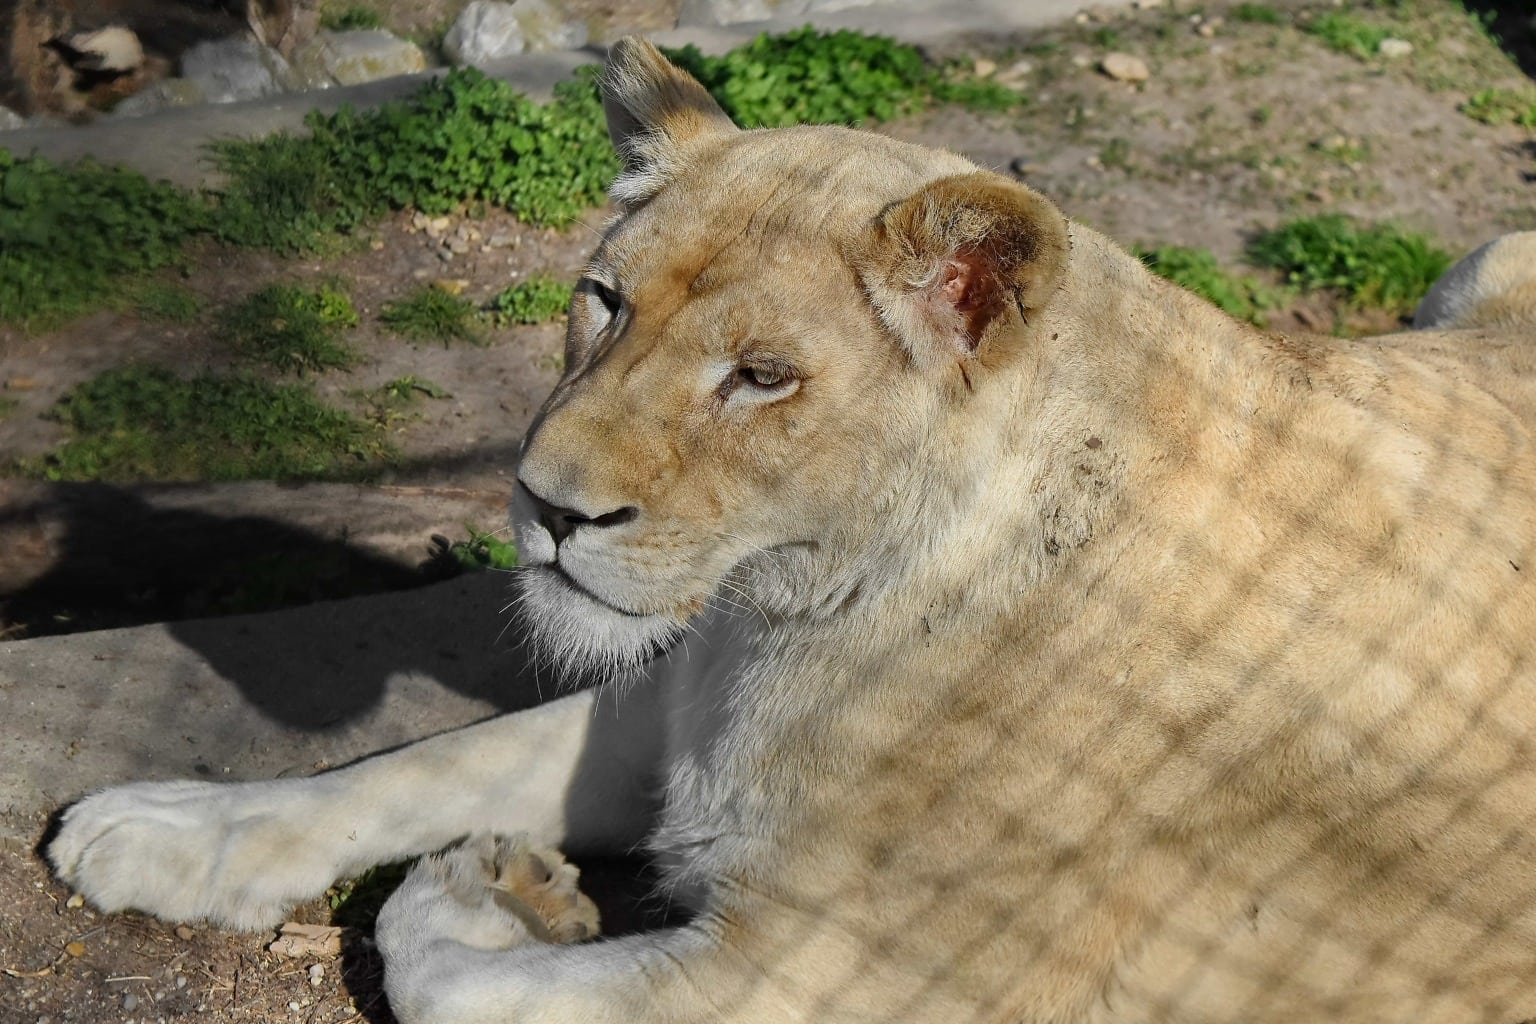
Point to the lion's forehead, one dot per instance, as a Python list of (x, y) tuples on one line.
[(784, 196)]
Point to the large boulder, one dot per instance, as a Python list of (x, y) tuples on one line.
[(231, 70), (354, 57), (489, 29)]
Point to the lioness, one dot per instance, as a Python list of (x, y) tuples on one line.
[(1001, 634)]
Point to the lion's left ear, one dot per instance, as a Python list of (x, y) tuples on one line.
[(955, 267)]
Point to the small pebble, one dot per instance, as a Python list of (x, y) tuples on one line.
[(294, 1006), (316, 974), (181, 981), (75, 902), (75, 948), (184, 933), (130, 1002)]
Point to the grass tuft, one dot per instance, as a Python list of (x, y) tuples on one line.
[(346, 19), (291, 329), (138, 423), (431, 314), (1197, 269), (1258, 14), (1372, 265), (1345, 33), (1503, 106), (842, 77), (534, 301)]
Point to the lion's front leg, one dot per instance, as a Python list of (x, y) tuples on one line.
[(573, 772)]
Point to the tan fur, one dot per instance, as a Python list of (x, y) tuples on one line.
[(1171, 670), (1044, 645)]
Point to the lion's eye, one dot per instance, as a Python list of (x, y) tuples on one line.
[(612, 301), (604, 296), (766, 377)]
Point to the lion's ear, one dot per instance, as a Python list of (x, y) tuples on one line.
[(653, 107), (958, 265)]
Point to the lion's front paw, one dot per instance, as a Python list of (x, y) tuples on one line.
[(489, 893), (188, 851)]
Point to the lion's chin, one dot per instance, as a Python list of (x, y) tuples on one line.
[(583, 637)]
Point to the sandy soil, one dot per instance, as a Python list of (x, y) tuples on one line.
[(1236, 130)]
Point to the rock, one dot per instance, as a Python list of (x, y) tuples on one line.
[(1394, 48), (1016, 74), (75, 902), (984, 68), (231, 70), (1123, 67), (10, 119), (355, 57), (108, 49), (486, 30), (545, 28), (316, 974), (130, 1002), (489, 29), (296, 941), (162, 95), (731, 12)]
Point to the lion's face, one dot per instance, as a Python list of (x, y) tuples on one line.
[(742, 403)]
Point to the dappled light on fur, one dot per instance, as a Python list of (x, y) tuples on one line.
[(1002, 635)]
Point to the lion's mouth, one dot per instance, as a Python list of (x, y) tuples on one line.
[(559, 572)]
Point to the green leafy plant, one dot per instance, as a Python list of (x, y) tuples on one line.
[(483, 551), (840, 77), (146, 423), (1197, 269), (465, 137), (292, 329), (1347, 33), (1372, 265), (70, 236), (411, 387), (431, 314), (285, 193), (349, 18), (356, 902), (1257, 14), (534, 301), (159, 300), (1503, 106), (393, 401)]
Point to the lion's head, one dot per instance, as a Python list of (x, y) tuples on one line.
[(766, 360)]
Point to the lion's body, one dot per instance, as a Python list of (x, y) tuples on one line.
[(1066, 650)]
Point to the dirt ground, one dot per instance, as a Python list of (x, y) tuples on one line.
[(1241, 126)]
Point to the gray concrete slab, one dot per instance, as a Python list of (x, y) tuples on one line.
[(253, 696), (171, 144)]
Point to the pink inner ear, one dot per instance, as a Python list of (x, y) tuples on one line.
[(969, 288)]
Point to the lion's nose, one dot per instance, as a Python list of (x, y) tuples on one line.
[(561, 522)]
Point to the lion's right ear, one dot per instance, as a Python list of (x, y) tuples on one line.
[(654, 110)]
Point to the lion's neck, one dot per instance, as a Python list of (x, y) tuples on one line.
[(1122, 382)]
